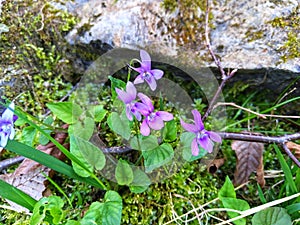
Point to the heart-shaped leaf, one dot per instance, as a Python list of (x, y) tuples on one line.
[(123, 173), (157, 157), (119, 125), (144, 143), (87, 153), (272, 216), (68, 112), (140, 181)]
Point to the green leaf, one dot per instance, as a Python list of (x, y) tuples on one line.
[(28, 135), (49, 209), (119, 125), (237, 204), (112, 209), (287, 172), (157, 157), (93, 215), (107, 213), (293, 208), (140, 181), (186, 139), (90, 155), (116, 83), (43, 140), (65, 111), (144, 143), (170, 131), (97, 112), (47, 160), (83, 128), (227, 190), (17, 196), (123, 173), (272, 216)]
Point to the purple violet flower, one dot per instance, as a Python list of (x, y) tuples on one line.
[(7, 130), (128, 97), (203, 137), (146, 74), (154, 120)]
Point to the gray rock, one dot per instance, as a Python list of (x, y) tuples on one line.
[(144, 23), (242, 35), (236, 21)]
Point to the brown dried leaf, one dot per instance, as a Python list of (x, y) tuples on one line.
[(28, 176), (295, 148), (249, 159), (260, 174)]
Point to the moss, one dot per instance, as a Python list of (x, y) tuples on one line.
[(33, 53), (191, 186), (252, 34), (290, 25), (14, 218), (189, 25)]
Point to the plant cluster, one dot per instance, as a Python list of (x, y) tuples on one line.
[(122, 149)]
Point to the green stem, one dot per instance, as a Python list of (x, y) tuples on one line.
[(130, 66), (58, 188)]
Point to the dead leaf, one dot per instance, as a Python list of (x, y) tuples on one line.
[(249, 159), (295, 148), (28, 176), (215, 164), (260, 173)]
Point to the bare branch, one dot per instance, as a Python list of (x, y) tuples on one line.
[(281, 140), (225, 76)]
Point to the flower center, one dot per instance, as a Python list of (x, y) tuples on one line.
[(147, 75), (6, 129), (201, 134), (151, 116)]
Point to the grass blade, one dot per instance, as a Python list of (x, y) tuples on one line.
[(47, 160), (287, 171), (17, 196)]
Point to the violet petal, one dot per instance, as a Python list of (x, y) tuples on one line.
[(156, 123), (3, 140), (157, 73), (214, 136), (146, 60), (206, 143), (12, 133), (123, 96), (139, 79), (128, 112), (8, 114), (145, 130), (166, 116), (147, 101), (142, 108), (197, 119), (131, 90), (152, 83), (189, 127), (195, 147)]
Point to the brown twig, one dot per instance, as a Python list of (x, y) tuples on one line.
[(225, 76), (280, 140)]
